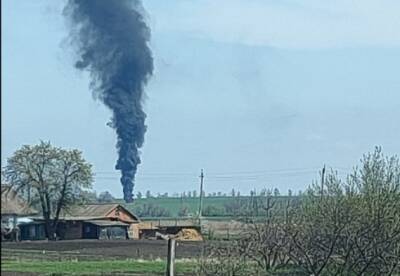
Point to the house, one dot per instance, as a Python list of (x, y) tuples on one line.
[(90, 221), (13, 210)]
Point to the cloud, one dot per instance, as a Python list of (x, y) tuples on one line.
[(284, 24)]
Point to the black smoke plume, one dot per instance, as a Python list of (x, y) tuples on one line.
[(111, 40)]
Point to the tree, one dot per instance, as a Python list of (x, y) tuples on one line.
[(139, 195), (183, 211), (89, 196), (345, 227), (148, 194), (151, 210), (194, 193), (53, 177), (276, 192), (374, 226), (233, 193), (105, 197), (351, 227)]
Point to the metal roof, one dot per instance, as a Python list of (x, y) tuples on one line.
[(107, 223), (12, 204), (92, 211)]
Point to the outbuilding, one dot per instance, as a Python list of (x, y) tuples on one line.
[(89, 221)]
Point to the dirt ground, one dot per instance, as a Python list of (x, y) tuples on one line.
[(98, 249)]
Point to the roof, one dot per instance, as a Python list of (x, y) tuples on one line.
[(12, 204), (107, 223), (93, 211), (90, 210), (95, 222)]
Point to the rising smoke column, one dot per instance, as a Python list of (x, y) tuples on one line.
[(111, 40)]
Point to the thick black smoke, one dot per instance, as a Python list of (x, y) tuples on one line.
[(111, 39)]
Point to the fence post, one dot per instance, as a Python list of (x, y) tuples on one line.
[(171, 257)]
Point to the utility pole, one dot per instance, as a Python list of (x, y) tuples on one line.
[(201, 193), (322, 181), (171, 257)]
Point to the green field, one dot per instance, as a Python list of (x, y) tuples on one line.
[(173, 204), (128, 267)]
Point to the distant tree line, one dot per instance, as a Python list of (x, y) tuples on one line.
[(252, 205), (195, 194)]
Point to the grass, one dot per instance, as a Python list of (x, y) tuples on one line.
[(136, 267), (173, 204)]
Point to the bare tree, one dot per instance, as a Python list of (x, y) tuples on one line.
[(352, 227), (345, 227), (267, 241)]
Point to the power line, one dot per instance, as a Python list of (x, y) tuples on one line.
[(151, 174), (258, 172)]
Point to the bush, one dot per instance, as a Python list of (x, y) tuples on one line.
[(105, 197), (213, 211), (183, 211)]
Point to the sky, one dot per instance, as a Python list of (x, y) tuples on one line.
[(258, 93)]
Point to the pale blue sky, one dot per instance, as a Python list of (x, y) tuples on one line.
[(258, 93)]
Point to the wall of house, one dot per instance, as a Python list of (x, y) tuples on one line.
[(32, 232), (90, 231), (73, 230), (133, 231)]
